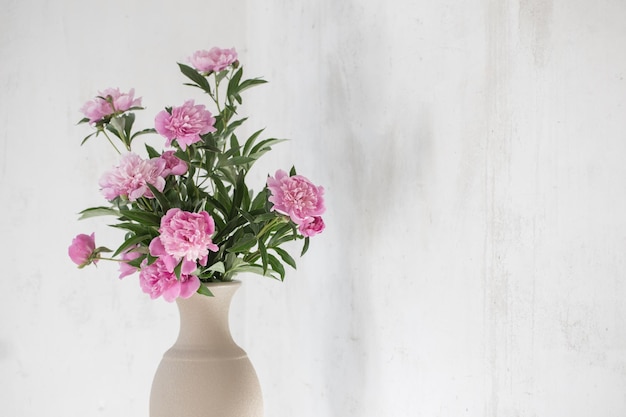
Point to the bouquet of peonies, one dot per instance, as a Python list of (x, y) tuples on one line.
[(189, 217)]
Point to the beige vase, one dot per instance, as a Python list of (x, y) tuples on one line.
[(205, 373)]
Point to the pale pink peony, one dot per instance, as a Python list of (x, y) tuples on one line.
[(184, 235), (156, 280), (131, 177), (185, 124), (214, 60), (173, 164), (109, 102), (128, 255), (296, 197), (312, 227), (82, 251)]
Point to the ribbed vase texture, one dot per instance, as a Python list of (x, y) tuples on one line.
[(205, 373)]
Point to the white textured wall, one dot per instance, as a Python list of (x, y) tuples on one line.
[(473, 156)]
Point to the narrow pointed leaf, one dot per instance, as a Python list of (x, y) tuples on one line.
[(305, 247), (276, 265), (98, 211), (263, 252), (142, 217), (285, 257), (204, 290), (194, 76), (160, 197), (130, 242)]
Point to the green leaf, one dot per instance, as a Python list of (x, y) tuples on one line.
[(129, 120), (228, 173), (244, 244), (177, 269), (235, 160), (250, 83), (196, 77), (136, 228), (116, 127), (217, 205), (160, 197), (305, 247), (265, 145), (221, 75), (227, 228), (260, 218), (264, 255), (98, 211), (255, 269), (223, 194), (87, 137), (130, 242), (143, 217), (233, 84), (204, 290), (234, 145), (284, 239), (276, 266), (231, 127), (245, 201), (152, 153), (250, 142), (260, 200), (217, 267), (285, 257), (278, 237), (239, 191), (292, 171), (249, 218), (142, 132)]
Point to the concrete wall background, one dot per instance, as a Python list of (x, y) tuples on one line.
[(473, 159)]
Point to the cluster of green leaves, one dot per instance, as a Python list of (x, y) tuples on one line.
[(249, 235)]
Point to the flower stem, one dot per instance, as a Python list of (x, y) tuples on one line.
[(217, 92), (111, 259), (111, 142), (269, 226)]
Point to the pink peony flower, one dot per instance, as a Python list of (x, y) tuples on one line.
[(82, 251), (185, 124), (184, 235), (128, 255), (131, 177), (99, 108), (173, 164), (296, 197), (156, 280), (312, 227), (214, 60)]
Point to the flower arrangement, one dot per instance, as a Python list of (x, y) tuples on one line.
[(189, 217)]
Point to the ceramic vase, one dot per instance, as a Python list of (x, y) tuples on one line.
[(205, 373)]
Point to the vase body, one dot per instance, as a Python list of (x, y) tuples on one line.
[(205, 373)]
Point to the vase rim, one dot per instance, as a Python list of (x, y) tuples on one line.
[(234, 282)]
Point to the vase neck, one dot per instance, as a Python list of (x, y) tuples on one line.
[(204, 322)]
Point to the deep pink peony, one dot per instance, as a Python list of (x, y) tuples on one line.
[(156, 280), (214, 60), (296, 197), (82, 250), (131, 177), (128, 255), (312, 227), (99, 108), (185, 124), (184, 235), (173, 164)]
